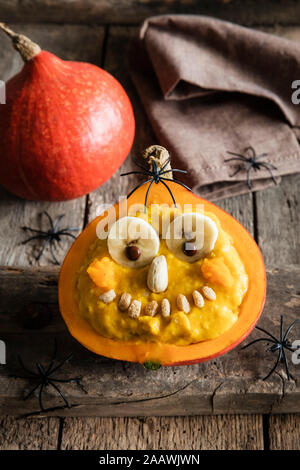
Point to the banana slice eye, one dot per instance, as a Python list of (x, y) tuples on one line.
[(132, 242), (191, 236)]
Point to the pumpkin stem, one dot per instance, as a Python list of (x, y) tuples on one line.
[(160, 155), (27, 48)]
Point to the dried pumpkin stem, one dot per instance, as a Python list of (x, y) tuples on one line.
[(160, 155), (27, 48)]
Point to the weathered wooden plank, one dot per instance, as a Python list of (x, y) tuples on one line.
[(277, 208), (69, 42), (29, 434), (278, 222), (134, 11), (284, 432), (156, 433), (241, 208), (230, 384)]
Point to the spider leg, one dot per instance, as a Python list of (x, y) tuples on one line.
[(172, 171), (41, 232), (34, 374), (248, 178), (290, 328), (177, 182), (165, 165), (275, 365), (37, 237), (46, 243), (60, 364), (146, 170), (286, 364), (251, 150), (52, 253), (281, 328), (41, 398), (137, 187), (239, 155), (147, 194), (68, 234), (262, 155), (32, 391), (267, 333), (236, 159), (270, 171), (236, 172), (132, 173), (49, 218), (268, 164), (57, 222), (60, 393), (69, 229), (257, 340), (173, 198)]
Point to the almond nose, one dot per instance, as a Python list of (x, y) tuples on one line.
[(157, 279)]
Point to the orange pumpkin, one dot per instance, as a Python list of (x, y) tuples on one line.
[(154, 354)]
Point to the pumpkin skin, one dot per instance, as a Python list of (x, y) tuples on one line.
[(162, 353), (65, 129)]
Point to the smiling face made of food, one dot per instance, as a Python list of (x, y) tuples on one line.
[(168, 276)]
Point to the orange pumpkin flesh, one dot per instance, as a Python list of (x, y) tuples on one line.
[(161, 353)]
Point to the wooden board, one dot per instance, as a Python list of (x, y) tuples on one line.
[(28, 434), (230, 384), (156, 433), (267, 12), (284, 432)]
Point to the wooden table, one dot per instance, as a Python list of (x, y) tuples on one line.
[(230, 406)]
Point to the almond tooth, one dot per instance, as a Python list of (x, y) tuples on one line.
[(157, 279), (124, 301), (198, 299), (183, 303), (151, 308), (108, 296), (135, 309), (165, 308), (209, 293)]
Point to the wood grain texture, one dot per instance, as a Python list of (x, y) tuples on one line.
[(278, 220), (229, 384), (241, 208), (70, 43), (156, 433), (28, 434), (284, 432), (277, 208), (134, 11)]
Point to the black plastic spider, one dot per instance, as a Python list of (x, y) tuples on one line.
[(250, 163), (155, 176), (51, 235), (277, 345), (44, 378)]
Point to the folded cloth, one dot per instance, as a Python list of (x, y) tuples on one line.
[(210, 87)]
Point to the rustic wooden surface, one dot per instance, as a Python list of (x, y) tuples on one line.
[(230, 384), (262, 213)]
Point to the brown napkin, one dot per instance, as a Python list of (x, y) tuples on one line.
[(209, 87)]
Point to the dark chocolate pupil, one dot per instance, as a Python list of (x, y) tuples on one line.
[(133, 252), (189, 248)]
